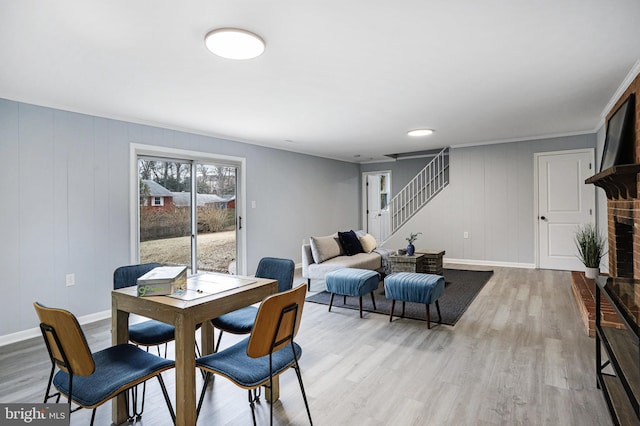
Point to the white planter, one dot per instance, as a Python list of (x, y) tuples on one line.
[(591, 272)]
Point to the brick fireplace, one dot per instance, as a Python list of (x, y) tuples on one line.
[(621, 183)]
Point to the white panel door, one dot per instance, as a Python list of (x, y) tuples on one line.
[(564, 203), (374, 214)]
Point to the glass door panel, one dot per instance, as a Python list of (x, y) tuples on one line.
[(165, 211), (216, 236), (185, 222)]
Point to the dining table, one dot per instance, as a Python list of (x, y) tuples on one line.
[(207, 295)]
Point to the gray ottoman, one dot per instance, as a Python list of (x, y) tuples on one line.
[(414, 287), (352, 282)]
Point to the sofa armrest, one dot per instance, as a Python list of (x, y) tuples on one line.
[(307, 259)]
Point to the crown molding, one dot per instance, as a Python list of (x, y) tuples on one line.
[(633, 73)]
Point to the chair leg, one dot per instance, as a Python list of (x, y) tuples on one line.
[(439, 316), (344, 299), (47, 395), (253, 406), (360, 305), (308, 284), (373, 299), (93, 416), (134, 414), (393, 305), (428, 317), (218, 343), (166, 398), (331, 301), (403, 303), (304, 395), (207, 379)]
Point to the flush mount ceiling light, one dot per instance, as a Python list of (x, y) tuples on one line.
[(420, 132), (234, 43)]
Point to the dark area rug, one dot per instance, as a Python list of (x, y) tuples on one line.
[(461, 287)]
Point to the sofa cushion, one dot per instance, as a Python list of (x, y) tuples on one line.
[(324, 248), (368, 243), (350, 243), (371, 261)]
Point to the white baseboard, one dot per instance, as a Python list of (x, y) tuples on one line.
[(490, 263), (19, 336)]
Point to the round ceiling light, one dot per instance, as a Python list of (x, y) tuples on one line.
[(420, 132), (234, 43)]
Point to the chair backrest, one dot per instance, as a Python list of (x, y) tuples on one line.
[(65, 340), (126, 276), (277, 269), (277, 321)]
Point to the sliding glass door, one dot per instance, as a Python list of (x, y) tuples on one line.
[(187, 213)]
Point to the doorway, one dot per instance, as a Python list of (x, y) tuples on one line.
[(189, 210), (563, 202), (377, 194)]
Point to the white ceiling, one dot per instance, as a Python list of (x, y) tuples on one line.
[(339, 78)]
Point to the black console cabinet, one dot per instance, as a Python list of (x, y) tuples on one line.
[(617, 350)]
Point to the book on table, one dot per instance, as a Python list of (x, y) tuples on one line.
[(163, 280)]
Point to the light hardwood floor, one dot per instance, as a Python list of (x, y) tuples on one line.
[(518, 356)]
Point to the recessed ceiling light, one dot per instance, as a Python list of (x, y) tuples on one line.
[(419, 132), (234, 43)]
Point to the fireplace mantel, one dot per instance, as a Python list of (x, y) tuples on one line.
[(619, 182)]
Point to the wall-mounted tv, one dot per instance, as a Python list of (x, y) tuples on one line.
[(618, 145)]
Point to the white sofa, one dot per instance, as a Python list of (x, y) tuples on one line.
[(325, 254)]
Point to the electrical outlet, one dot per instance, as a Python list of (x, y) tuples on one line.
[(71, 280), (466, 234)]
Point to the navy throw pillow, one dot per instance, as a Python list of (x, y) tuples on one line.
[(350, 243)]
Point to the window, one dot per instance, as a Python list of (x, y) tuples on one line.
[(158, 201)]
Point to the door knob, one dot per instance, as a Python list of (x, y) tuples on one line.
[(543, 218)]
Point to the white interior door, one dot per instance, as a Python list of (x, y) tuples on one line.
[(564, 203), (374, 214), (376, 194)]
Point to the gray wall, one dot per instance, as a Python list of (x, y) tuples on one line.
[(490, 196), (65, 204)]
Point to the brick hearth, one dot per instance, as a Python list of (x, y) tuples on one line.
[(584, 290)]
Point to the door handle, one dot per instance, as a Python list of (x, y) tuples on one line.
[(543, 218)]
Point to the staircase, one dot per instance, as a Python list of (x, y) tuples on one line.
[(420, 190)]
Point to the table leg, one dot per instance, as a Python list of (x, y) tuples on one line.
[(119, 335), (185, 371), (272, 395)]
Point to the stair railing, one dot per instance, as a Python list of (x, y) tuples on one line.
[(420, 190)]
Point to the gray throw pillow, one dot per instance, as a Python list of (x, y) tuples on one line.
[(324, 248)]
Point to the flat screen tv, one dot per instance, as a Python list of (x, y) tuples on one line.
[(618, 145)]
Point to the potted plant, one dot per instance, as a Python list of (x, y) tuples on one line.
[(591, 249), (411, 249)]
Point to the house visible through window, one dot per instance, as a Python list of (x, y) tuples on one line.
[(158, 201)]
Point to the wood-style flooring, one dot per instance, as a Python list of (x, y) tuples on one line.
[(519, 355)]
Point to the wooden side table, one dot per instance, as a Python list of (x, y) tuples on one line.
[(405, 263), (432, 263)]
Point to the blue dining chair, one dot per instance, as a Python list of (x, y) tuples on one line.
[(268, 352), (241, 320), (147, 333), (91, 379)]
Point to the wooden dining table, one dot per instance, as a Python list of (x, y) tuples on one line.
[(208, 296)]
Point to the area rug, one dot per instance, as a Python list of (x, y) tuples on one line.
[(461, 287)]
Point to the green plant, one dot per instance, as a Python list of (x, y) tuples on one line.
[(590, 245), (412, 237)]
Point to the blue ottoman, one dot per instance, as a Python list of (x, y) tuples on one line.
[(352, 282), (414, 287)]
